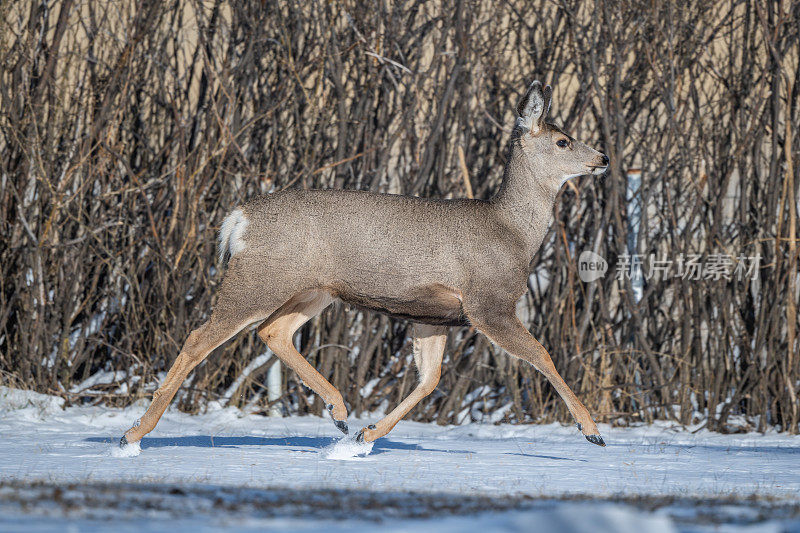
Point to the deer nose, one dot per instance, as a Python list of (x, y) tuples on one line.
[(605, 160)]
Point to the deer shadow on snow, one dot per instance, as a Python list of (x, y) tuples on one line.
[(209, 441), (297, 444)]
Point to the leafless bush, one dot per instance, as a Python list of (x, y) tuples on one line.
[(130, 128)]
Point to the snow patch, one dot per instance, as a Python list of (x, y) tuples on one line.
[(102, 377), (17, 400), (132, 449), (254, 365), (368, 387), (348, 449), (228, 447)]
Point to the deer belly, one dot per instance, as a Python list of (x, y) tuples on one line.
[(428, 304)]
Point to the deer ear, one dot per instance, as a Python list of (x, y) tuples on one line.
[(531, 108), (548, 98)]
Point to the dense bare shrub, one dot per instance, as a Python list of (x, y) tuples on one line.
[(130, 128)]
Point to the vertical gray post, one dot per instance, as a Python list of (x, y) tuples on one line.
[(274, 387), (634, 206), (634, 203)]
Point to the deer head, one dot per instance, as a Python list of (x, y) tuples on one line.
[(546, 146)]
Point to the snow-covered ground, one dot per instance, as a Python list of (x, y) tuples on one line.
[(225, 468)]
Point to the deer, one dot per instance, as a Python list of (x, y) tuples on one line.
[(437, 263)]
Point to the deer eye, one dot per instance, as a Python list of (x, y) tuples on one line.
[(562, 143)]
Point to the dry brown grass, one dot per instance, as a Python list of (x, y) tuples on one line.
[(128, 129)]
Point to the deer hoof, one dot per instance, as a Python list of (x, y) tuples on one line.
[(360, 436), (596, 439), (342, 426), (123, 442)]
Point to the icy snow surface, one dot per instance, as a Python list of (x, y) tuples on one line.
[(456, 476)]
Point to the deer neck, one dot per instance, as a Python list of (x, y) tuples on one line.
[(524, 200)]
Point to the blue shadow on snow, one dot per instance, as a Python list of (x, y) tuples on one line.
[(208, 441)]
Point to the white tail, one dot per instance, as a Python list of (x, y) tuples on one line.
[(230, 235)]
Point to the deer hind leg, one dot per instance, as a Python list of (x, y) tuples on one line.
[(201, 342), (505, 330), (235, 310), (429, 344), (278, 332)]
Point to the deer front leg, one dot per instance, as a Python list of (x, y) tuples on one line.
[(429, 344), (509, 333)]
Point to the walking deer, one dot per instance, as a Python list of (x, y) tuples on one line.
[(435, 262)]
